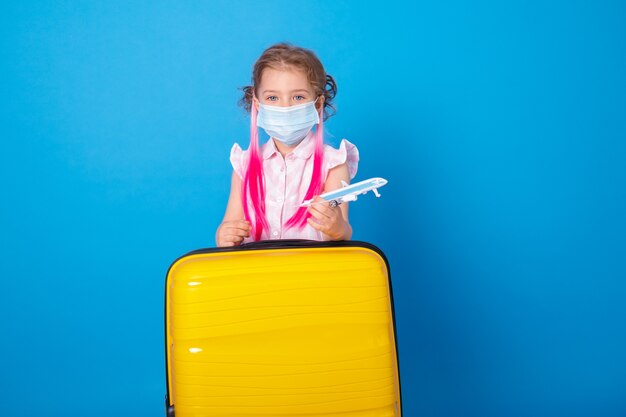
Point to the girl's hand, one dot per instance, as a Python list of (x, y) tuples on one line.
[(328, 220), (232, 233)]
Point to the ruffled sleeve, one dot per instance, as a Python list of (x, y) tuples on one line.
[(237, 159), (347, 153)]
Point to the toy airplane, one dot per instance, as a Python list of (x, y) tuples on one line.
[(350, 192)]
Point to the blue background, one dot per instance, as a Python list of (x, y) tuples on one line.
[(500, 126)]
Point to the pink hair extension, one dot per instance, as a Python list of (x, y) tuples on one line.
[(253, 186), (301, 215)]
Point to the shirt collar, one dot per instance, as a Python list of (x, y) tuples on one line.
[(303, 151)]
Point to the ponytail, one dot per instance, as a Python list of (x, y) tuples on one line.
[(299, 219), (253, 186)]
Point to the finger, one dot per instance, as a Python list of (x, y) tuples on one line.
[(236, 231), (318, 201), (312, 211), (327, 217), (240, 224), (233, 238), (328, 206), (320, 211), (315, 225)]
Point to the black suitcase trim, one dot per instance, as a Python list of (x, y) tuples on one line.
[(281, 244)]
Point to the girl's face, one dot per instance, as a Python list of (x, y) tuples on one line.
[(284, 88)]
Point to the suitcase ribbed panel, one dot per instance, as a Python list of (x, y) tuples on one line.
[(281, 332)]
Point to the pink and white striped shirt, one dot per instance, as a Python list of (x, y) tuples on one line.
[(287, 180)]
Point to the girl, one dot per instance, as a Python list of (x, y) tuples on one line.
[(290, 93)]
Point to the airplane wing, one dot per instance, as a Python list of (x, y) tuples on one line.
[(350, 192)]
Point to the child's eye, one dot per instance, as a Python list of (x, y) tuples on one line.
[(272, 98), (298, 98)]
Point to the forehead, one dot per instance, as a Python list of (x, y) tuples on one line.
[(286, 79)]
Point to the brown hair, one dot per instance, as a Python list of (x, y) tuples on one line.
[(284, 55)]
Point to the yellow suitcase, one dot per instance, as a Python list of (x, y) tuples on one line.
[(281, 328)]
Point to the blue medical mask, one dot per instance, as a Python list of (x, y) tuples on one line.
[(288, 124)]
